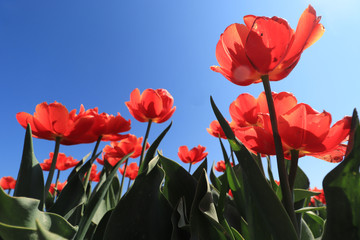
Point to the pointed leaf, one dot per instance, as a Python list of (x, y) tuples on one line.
[(30, 180), (199, 170), (143, 212)]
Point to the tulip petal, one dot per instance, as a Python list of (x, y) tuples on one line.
[(151, 103), (308, 22), (283, 102), (268, 42)]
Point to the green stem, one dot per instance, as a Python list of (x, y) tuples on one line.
[(144, 142), (9, 191), (96, 146), (56, 182), (128, 186), (123, 178), (293, 168), (52, 167), (190, 167), (283, 176), (87, 177)]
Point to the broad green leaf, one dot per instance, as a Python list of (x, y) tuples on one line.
[(44, 234), (199, 170), (305, 209), (19, 216), (95, 200), (342, 192), (301, 194), (152, 149), (215, 180), (30, 179), (143, 212), (178, 183), (259, 192), (180, 223), (315, 223), (306, 233), (100, 229), (204, 222)]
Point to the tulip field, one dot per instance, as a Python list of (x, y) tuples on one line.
[(139, 192)]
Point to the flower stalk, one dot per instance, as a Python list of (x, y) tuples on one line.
[(283, 176), (52, 167), (145, 141)]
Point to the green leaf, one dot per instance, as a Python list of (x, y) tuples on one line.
[(30, 180), (204, 222), (199, 170), (305, 209), (301, 194), (152, 149), (306, 233), (100, 229), (45, 234), (180, 223), (215, 180), (342, 192), (143, 212), (178, 183), (263, 199), (19, 216), (95, 200)]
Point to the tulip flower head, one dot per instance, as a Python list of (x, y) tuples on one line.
[(265, 46), (220, 166), (52, 121), (301, 128), (151, 105), (105, 125), (118, 150), (7, 183), (131, 170), (59, 187), (63, 162), (94, 175), (196, 154), (320, 197)]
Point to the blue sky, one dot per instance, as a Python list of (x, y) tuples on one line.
[(95, 53)]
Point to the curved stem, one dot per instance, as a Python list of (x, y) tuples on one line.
[(293, 168), (122, 179), (52, 167), (144, 142), (96, 146), (283, 176)]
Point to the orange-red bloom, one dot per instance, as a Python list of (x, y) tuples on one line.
[(196, 154), (300, 127), (320, 197), (62, 163), (220, 166), (59, 187), (155, 105), (51, 121), (105, 125), (216, 130), (118, 150), (265, 46), (131, 170), (7, 183), (94, 175)]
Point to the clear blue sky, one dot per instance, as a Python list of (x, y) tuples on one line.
[(96, 52)]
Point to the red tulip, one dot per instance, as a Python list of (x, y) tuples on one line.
[(7, 183), (118, 150), (94, 175), (265, 46), (105, 125), (51, 121), (320, 197), (131, 170), (300, 127), (59, 187), (220, 166), (196, 154), (245, 110), (63, 162), (155, 105)]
